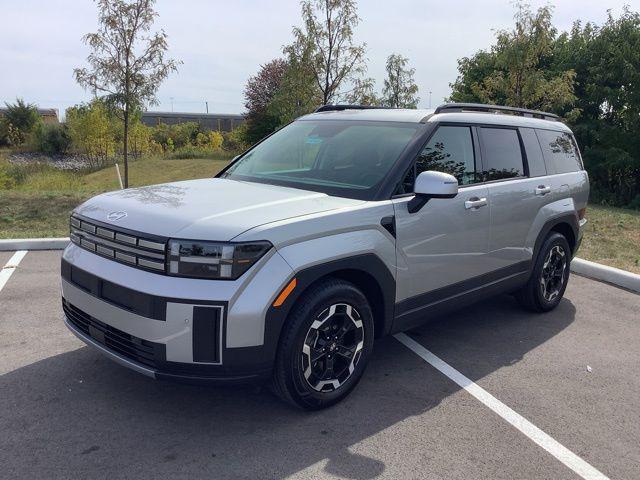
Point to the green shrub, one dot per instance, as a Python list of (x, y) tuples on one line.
[(50, 139), (235, 140)]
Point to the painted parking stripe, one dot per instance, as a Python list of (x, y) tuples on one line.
[(562, 453), (10, 267)]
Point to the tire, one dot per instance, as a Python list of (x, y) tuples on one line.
[(302, 376), (549, 277)]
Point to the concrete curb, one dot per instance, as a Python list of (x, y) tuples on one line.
[(615, 276), (33, 244), (597, 271)]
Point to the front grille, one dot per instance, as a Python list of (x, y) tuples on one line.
[(134, 348), (123, 247)]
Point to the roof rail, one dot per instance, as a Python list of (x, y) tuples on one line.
[(338, 108), (480, 107)]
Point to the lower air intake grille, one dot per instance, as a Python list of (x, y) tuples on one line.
[(133, 348)]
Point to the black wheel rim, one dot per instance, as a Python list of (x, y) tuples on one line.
[(552, 276), (332, 347)]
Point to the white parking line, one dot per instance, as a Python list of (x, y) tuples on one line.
[(563, 454), (10, 267)]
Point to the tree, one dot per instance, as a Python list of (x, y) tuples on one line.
[(363, 93), (606, 114), (400, 89), (516, 70), (127, 63), (20, 119), (326, 39), (258, 94), (299, 93)]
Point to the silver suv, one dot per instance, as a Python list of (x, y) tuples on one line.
[(346, 225)]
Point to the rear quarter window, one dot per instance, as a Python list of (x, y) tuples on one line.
[(560, 151), (535, 159)]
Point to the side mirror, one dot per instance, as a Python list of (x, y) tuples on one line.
[(432, 184)]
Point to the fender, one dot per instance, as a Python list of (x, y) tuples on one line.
[(368, 264), (569, 219)]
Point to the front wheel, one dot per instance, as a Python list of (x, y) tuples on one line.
[(325, 345), (549, 277)]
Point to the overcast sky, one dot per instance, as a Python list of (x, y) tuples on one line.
[(223, 42)]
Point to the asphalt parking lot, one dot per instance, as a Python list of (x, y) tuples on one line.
[(68, 412)]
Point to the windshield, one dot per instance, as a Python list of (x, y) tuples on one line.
[(338, 157)]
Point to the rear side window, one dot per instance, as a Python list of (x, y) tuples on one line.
[(560, 151), (535, 160), (501, 154)]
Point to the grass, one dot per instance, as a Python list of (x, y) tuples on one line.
[(152, 171), (33, 214), (40, 204), (612, 237)]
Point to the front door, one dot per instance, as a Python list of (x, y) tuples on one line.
[(442, 247)]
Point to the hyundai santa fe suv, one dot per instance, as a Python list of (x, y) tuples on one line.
[(348, 224)]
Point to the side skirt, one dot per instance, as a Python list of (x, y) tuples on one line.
[(415, 311)]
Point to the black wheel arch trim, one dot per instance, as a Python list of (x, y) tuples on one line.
[(569, 219), (369, 264)]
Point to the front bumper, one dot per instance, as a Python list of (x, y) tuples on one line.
[(206, 331), (194, 377)]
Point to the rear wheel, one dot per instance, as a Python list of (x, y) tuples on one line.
[(549, 277), (325, 346)]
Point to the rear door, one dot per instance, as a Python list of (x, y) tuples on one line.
[(517, 191), (444, 245)]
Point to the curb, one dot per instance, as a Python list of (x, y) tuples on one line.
[(596, 271), (33, 244), (615, 276)]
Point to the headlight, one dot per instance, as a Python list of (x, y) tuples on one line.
[(224, 261)]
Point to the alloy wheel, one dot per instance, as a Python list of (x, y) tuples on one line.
[(552, 276), (332, 347)]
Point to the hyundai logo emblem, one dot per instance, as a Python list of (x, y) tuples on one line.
[(113, 216)]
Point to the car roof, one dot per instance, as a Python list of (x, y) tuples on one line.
[(407, 115)]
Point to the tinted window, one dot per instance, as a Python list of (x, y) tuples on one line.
[(560, 151), (535, 160), (338, 157), (501, 154), (449, 150)]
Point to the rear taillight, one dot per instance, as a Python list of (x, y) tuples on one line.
[(582, 212)]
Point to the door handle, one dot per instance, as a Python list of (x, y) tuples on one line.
[(475, 203), (542, 190)]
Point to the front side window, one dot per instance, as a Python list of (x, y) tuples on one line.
[(560, 151), (339, 157), (450, 150), (501, 154)]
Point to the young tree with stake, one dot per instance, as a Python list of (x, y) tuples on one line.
[(127, 62)]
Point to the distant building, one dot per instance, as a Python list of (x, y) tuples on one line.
[(48, 115), (221, 122)]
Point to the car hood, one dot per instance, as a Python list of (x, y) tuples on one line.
[(212, 208)]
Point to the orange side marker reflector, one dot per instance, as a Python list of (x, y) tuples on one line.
[(285, 293)]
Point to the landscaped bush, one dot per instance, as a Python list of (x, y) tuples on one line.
[(51, 139), (92, 133), (234, 141)]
